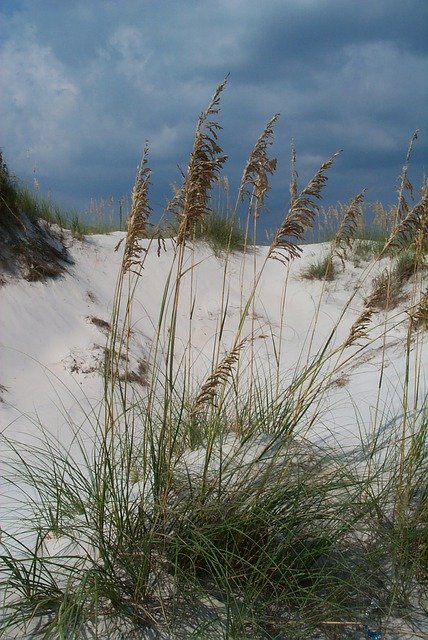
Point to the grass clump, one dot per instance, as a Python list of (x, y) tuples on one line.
[(8, 195), (16, 201), (221, 232), (407, 264), (28, 244), (388, 288), (322, 269), (419, 314), (201, 508)]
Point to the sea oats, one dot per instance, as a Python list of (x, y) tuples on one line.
[(404, 183), (220, 375), (191, 201), (419, 314), (140, 213), (409, 228), (294, 175), (348, 226), (300, 217), (259, 165), (361, 324)]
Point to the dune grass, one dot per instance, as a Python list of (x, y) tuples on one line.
[(322, 269), (203, 510), (17, 199)]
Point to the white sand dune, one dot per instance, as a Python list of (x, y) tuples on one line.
[(53, 335)]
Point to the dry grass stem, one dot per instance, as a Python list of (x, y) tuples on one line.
[(258, 166), (219, 376), (421, 237), (404, 183), (414, 225), (300, 217), (361, 324), (294, 176), (348, 226), (191, 201), (419, 314), (383, 218), (140, 213)]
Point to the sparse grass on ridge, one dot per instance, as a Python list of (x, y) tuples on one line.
[(323, 269), (28, 244), (203, 510)]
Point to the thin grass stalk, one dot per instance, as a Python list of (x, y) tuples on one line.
[(344, 234), (294, 185), (132, 263), (204, 165), (413, 346), (348, 227), (404, 183), (300, 217), (256, 172), (408, 223), (278, 347), (413, 227), (254, 183), (253, 317), (294, 191), (191, 206), (254, 186)]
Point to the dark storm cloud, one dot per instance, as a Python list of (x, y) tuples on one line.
[(84, 84), (299, 36)]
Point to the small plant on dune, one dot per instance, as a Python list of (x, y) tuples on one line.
[(349, 224), (205, 495), (322, 269), (419, 314), (28, 244), (304, 207), (407, 264), (349, 221), (8, 194), (76, 228), (221, 232)]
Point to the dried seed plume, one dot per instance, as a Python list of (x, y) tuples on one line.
[(294, 176), (360, 327), (191, 201), (140, 213), (404, 183), (348, 226), (219, 376), (255, 177), (300, 217), (414, 227), (419, 314)]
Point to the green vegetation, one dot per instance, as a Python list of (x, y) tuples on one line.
[(16, 200), (221, 232), (203, 511), (28, 245), (8, 195), (322, 269)]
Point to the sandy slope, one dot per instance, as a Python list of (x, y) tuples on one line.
[(52, 337), (51, 341)]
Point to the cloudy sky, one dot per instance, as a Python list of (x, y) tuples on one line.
[(85, 83)]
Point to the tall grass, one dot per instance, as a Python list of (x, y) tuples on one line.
[(204, 509)]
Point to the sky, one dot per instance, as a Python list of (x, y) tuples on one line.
[(84, 84)]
